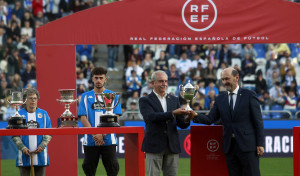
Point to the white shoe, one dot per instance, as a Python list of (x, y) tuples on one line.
[(110, 69), (116, 69)]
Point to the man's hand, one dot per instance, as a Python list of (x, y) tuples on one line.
[(180, 111), (98, 138), (191, 116), (38, 150), (26, 151), (260, 150)]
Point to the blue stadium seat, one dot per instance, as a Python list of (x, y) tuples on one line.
[(276, 115), (260, 49)]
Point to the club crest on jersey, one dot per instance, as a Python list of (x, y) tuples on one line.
[(40, 115)]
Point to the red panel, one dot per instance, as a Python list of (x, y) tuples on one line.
[(206, 151), (296, 148), (56, 70), (120, 22)]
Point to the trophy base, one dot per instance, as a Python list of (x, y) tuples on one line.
[(17, 123), (67, 122), (109, 121)]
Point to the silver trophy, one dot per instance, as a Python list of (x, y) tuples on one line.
[(108, 119), (67, 119), (188, 92), (16, 121)]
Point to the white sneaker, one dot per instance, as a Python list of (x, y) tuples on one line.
[(116, 69), (110, 69)]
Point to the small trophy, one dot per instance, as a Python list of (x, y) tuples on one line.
[(67, 119), (188, 92), (16, 121), (108, 119)]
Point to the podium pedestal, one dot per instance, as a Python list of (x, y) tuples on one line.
[(207, 158)]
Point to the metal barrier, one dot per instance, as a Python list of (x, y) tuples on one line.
[(270, 114)]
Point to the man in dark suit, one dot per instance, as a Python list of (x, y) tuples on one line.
[(243, 138), (162, 114)]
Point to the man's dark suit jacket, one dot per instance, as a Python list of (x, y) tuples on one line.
[(246, 123), (161, 127)]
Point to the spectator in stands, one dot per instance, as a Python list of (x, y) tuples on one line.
[(3, 90), (14, 18), (210, 74), (14, 32), (248, 65), (133, 98), (184, 64), (173, 75), (146, 89), (66, 7), (219, 72), (24, 47), (265, 101), (162, 63), (280, 49), (16, 83), (192, 52), (132, 112), (139, 70), (248, 49), (52, 9), (135, 57), (260, 84), (28, 74), (196, 107), (272, 61), (81, 89), (285, 67), (200, 100), (198, 59), (225, 55), (212, 58), (201, 86), (37, 7), (86, 50), (197, 73), (288, 79), (18, 10), (148, 64), (290, 102), (14, 64), (211, 86), (210, 97), (82, 80), (146, 77), (27, 30), (275, 77), (276, 94), (41, 18), (173, 51), (236, 50), (27, 17), (133, 82), (286, 57)]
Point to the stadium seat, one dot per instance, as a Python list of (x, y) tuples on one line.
[(260, 50), (276, 115)]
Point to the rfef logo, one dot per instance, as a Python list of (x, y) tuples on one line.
[(199, 15), (212, 145), (187, 144)]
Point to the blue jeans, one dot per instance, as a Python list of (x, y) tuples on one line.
[(112, 56)]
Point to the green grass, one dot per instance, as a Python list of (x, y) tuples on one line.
[(268, 167)]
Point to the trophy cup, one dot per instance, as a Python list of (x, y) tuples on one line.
[(16, 121), (188, 92), (67, 119), (108, 119)]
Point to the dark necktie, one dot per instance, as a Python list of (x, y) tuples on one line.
[(231, 103)]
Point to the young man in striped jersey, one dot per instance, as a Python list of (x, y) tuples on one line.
[(98, 144), (34, 146)]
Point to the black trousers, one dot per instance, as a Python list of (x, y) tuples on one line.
[(242, 163), (109, 160)]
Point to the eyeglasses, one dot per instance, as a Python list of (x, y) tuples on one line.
[(32, 99)]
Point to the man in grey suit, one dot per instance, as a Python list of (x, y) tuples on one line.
[(162, 114), (243, 137)]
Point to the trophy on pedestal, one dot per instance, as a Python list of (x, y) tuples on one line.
[(108, 119), (67, 118), (16, 121), (188, 92)]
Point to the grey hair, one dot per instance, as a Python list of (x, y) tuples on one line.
[(154, 74), (31, 91)]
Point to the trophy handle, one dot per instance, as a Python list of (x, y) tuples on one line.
[(181, 89), (118, 94)]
